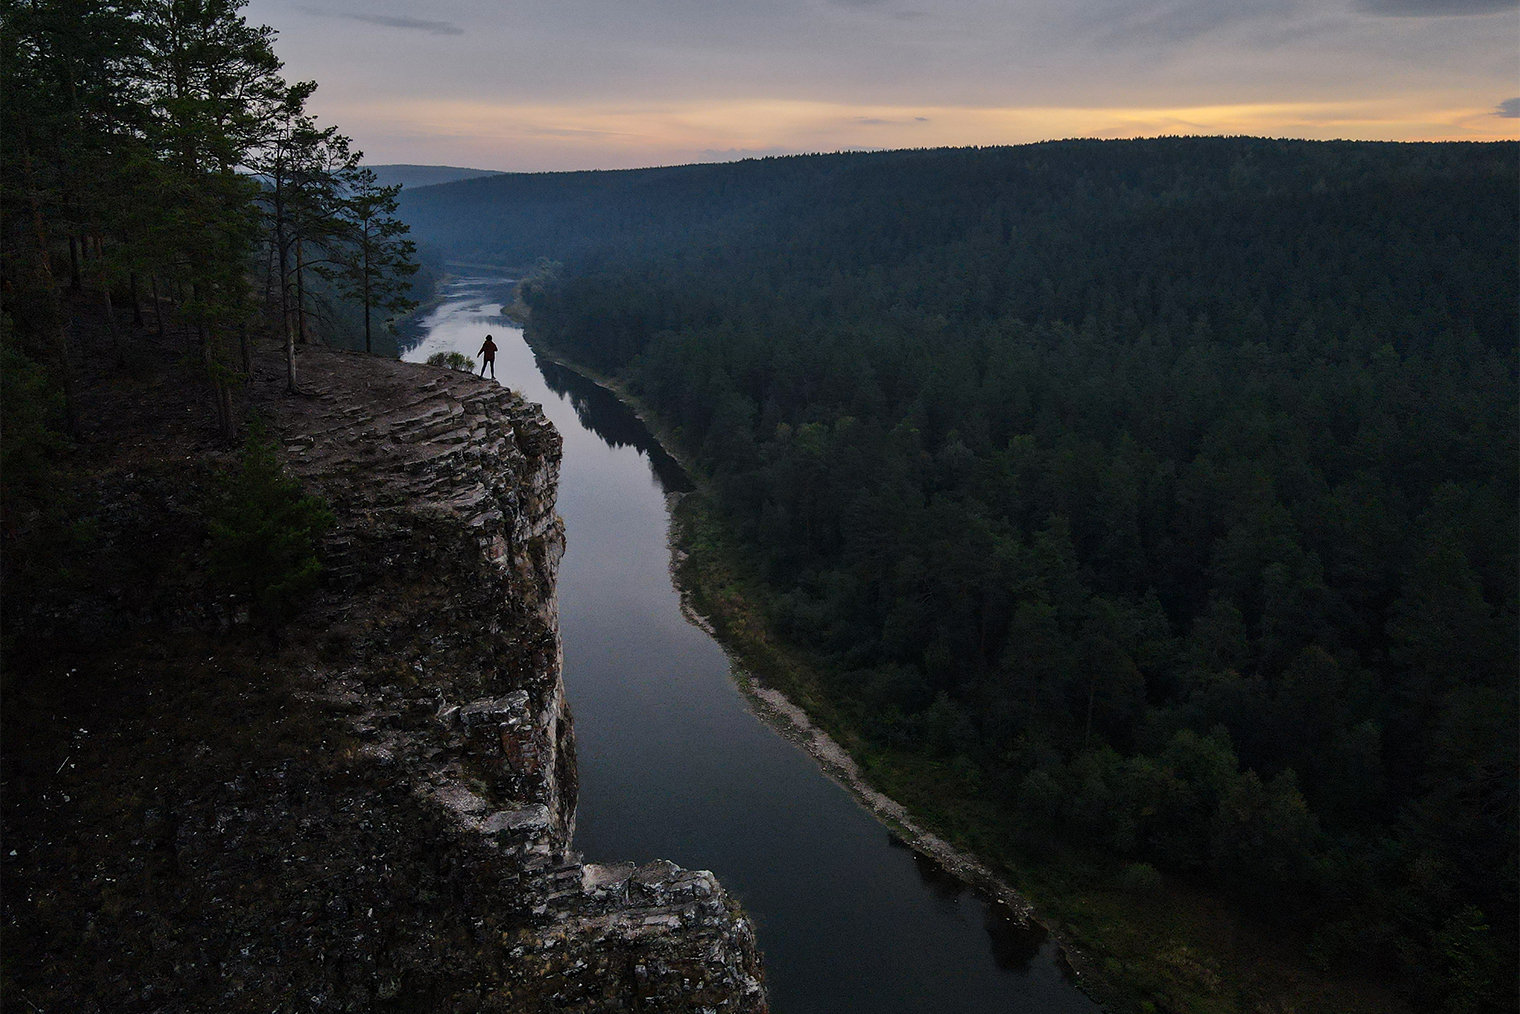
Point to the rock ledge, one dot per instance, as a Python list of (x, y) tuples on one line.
[(441, 611)]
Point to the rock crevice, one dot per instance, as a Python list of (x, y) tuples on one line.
[(441, 624)]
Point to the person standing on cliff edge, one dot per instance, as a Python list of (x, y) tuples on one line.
[(488, 349)]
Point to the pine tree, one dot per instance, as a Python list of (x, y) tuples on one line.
[(212, 82), (303, 168), (379, 261)]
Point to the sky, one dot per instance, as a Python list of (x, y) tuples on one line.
[(532, 85)]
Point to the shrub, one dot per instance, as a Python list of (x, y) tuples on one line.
[(29, 405), (453, 360), (1142, 879), (264, 531)]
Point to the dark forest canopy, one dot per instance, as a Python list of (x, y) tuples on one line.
[(1169, 486)]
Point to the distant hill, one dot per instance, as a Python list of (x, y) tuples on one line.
[(1038, 232), (512, 218), (426, 175)]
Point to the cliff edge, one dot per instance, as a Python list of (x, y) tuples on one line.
[(377, 811), (447, 549)]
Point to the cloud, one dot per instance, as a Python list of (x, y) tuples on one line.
[(553, 131), (1435, 8), (1165, 25), (624, 135), (415, 24), (879, 7), (1509, 109)]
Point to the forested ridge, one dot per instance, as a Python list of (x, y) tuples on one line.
[(1165, 489)]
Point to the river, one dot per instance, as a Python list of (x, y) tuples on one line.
[(674, 765)]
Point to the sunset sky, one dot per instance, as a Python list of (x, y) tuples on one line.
[(598, 84)]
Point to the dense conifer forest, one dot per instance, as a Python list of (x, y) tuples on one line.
[(155, 159), (1164, 490)]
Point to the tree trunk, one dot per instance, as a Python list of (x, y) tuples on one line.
[(207, 360), (179, 297), (1092, 693), (290, 359), (74, 282), (981, 628), (281, 247), (105, 301), (230, 432), (247, 351), (366, 297), (158, 306), (301, 291), (45, 282), (269, 274), (220, 390), (137, 317)]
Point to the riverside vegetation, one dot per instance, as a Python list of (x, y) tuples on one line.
[(1143, 513)]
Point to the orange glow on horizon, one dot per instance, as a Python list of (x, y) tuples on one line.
[(545, 137)]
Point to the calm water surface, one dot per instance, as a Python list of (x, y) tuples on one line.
[(673, 765)]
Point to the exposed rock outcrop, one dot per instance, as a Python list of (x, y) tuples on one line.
[(444, 627), (373, 811)]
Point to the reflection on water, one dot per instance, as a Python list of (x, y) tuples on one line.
[(599, 410), (1015, 942), (945, 885), (673, 765)]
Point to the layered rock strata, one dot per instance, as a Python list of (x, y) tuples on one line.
[(443, 630)]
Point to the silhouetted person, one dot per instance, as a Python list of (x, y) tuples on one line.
[(488, 349)]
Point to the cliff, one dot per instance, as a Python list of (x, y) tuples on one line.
[(377, 812)]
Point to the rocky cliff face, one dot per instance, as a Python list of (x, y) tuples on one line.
[(372, 812), (443, 627)]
